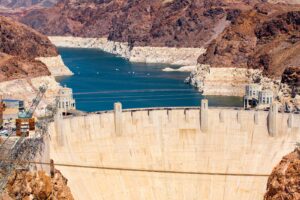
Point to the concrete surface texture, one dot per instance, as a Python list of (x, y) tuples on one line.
[(230, 159)]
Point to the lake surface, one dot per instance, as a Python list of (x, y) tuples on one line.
[(100, 79)]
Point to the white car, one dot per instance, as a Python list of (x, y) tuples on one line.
[(4, 132)]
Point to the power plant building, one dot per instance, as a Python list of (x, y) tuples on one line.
[(255, 96), (265, 97), (65, 100)]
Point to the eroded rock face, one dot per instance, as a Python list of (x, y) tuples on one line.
[(37, 185), (266, 38), (291, 76), (284, 182), (19, 47), (177, 23), (19, 40), (26, 3)]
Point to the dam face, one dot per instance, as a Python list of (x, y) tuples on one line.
[(174, 153)]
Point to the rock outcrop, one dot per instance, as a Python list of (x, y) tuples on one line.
[(265, 38), (13, 4), (20, 46), (25, 184), (284, 182), (55, 65), (285, 1)]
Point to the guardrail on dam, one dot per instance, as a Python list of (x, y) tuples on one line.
[(172, 153)]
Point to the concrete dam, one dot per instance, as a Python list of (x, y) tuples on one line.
[(172, 153)]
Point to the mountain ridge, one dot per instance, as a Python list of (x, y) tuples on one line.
[(20, 45)]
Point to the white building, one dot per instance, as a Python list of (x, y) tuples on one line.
[(65, 100), (265, 97), (251, 95), (255, 96)]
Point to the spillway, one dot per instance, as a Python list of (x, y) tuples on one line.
[(172, 153)]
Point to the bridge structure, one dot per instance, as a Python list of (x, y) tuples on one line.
[(172, 153)]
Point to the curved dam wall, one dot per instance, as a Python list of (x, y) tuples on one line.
[(172, 153)]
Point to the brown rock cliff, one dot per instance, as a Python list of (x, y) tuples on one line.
[(37, 185), (284, 182), (19, 47), (267, 37)]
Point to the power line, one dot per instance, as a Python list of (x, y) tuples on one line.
[(141, 170)]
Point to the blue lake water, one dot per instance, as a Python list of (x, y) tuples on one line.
[(100, 79)]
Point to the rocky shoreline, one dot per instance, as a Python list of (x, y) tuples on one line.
[(232, 81), (56, 66), (209, 80), (228, 81), (165, 55)]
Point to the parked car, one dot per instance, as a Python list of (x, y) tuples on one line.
[(4, 132)]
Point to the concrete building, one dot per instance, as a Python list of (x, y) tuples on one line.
[(257, 97), (265, 97), (65, 100), (251, 95)]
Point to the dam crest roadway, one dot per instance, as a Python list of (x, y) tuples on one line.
[(172, 153)]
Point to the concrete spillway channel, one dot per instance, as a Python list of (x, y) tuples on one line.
[(172, 153)]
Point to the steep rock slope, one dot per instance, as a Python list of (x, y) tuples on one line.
[(259, 35), (284, 182), (19, 47), (176, 23), (12, 4), (285, 1), (37, 185), (266, 38)]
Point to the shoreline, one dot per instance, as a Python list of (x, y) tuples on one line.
[(185, 57), (207, 80), (229, 81), (162, 55), (55, 65)]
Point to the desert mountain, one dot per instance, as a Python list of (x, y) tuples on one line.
[(241, 33), (19, 47), (267, 37), (181, 23)]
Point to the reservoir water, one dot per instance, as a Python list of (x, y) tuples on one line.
[(100, 79)]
